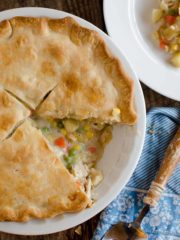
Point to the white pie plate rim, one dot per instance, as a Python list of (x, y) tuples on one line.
[(130, 26), (39, 227)]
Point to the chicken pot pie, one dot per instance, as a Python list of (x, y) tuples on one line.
[(76, 90)]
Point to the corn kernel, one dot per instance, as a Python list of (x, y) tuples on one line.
[(63, 131), (90, 135), (53, 123), (174, 47), (116, 112), (79, 137), (175, 60), (76, 147), (86, 127)]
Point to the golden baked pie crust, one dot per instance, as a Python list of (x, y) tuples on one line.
[(39, 53), (38, 56), (33, 182)]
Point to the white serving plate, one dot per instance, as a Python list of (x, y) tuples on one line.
[(121, 155), (129, 23)]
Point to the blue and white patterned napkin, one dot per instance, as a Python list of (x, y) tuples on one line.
[(163, 221)]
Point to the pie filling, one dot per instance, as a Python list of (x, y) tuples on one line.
[(80, 144)]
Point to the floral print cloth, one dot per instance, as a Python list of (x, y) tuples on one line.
[(163, 221)]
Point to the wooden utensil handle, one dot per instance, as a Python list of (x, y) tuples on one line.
[(170, 161)]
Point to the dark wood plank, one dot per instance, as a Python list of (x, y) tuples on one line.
[(90, 10)]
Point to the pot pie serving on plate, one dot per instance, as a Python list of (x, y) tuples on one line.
[(76, 90)]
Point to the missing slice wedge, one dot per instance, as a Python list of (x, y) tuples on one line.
[(80, 144)]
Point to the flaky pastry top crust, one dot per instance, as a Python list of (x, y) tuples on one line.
[(39, 54), (33, 182)]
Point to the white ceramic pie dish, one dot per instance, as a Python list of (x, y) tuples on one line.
[(129, 24), (120, 157)]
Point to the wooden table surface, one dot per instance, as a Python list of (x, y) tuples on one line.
[(91, 10)]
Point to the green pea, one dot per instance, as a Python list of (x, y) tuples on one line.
[(45, 129), (72, 152), (70, 161), (67, 159)]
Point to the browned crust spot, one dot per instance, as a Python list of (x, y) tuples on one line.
[(5, 29)]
